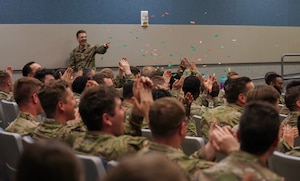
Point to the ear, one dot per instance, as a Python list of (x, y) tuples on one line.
[(182, 128), (106, 120), (272, 83), (242, 98), (298, 103), (238, 135), (60, 106), (35, 98), (275, 143)]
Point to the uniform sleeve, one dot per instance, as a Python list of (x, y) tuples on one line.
[(101, 49), (72, 60)]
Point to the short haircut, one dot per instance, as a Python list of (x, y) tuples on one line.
[(271, 77), (87, 71), (263, 93), (134, 70), (292, 84), (267, 74), (96, 101), (148, 167), (231, 73), (24, 88), (80, 31), (107, 73), (4, 78), (234, 87), (148, 71), (48, 160), (50, 94), (99, 77), (165, 115), (160, 93), (127, 89), (157, 80), (26, 69), (291, 97), (79, 84), (41, 74), (191, 84), (258, 128)]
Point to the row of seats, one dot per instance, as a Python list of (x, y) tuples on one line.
[(12, 145), (8, 112)]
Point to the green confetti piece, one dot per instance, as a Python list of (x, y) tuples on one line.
[(144, 55), (142, 50), (171, 55), (101, 58), (102, 22), (225, 71), (136, 37), (124, 45), (163, 42), (216, 35), (170, 65), (248, 68), (222, 46), (110, 37)]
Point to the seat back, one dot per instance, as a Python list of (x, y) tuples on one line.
[(27, 140), (189, 145), (147, 133), (282, 117), (11, 149), (192, 144), (10, 112), (93, 167), (197, 119), (285, 165)]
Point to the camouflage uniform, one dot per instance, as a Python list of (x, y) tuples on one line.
[(24, 124), (6, 96), (228, 114), (51, 129), (133, 123), (281, 100), (234, 167), (85, 58), (292, 118), (189, 164), (108, 146), (294, 152), (120, 81), (284, 110)]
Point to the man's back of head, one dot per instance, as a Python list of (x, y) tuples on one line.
[(191, 84), (292, 98), (24, 90), (166, 116), (264, 93), (236, 87), (259, 127), (94, 103), (6, 83)]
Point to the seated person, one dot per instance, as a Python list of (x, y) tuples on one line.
[(58, 102), (258, 136), (48, 161), (25, 94)]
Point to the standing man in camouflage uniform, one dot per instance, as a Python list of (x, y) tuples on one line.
[(83, 56), (260, 121), (58, 102), (25, 94)]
